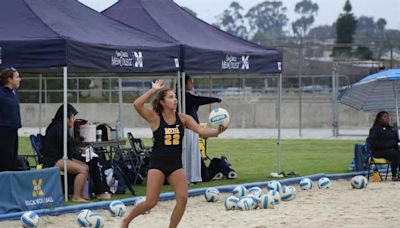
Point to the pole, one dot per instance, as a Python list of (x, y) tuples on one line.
[(65, 132), (279, 123), (40, 103), (334, 102)]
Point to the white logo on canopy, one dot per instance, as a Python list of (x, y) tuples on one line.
[(123, 59), (234, 63), (0, 57)]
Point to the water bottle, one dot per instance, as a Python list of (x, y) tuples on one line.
[(375, 176), (118, 128)]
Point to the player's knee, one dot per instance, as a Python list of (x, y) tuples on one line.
[(182, 199)]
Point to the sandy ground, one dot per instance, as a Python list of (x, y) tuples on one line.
[(339, 206)]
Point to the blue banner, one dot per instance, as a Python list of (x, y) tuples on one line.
[(30, 190)]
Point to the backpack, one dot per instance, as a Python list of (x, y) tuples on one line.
[(221, 165), (205, 173)]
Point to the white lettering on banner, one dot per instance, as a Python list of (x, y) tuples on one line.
[(279, 66), (122, 59), (234, 63), (38, 201)]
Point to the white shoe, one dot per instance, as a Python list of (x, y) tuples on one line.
[(218, 176)]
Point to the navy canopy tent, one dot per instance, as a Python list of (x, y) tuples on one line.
[(206, 49), (63, 33), (50, 33)]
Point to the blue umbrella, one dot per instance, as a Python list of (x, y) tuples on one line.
[(374, 93)]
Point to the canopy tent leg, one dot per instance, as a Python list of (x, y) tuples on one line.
[(119, 125), (278, 143), (65, 132), (397, 105)]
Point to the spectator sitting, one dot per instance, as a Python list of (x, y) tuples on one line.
[(53, 154), (383, 140)]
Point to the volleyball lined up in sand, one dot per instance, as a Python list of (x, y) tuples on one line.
[(30, 219), (359, 182), (211, 194), (117, 208), (87, 218)]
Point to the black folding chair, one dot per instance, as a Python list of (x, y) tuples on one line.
[(140, 157)]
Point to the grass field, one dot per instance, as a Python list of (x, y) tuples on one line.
[(254, 159)]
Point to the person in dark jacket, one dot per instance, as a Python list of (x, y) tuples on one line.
[(53, 154), (191, 156), (383, 141), (10, 119)]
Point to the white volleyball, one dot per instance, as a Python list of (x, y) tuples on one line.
[(231, 203), (275, 196), (30, 219), (256, 200), (306, 184), (245, 203), (239, 191), (324, 182), (256, 191), (288, 193), (218, 117), (96, 221), (274, 185), (211, 194), (359, 182), (266, 201), (117, 208), (83, 218)]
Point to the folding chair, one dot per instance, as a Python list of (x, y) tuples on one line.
[(140, 157), (376, 161), (37, 147)]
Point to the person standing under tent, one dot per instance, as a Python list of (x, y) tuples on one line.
[(10, 119), (166, 157), (383, 141), (191, 156)]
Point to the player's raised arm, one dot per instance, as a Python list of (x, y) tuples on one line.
[(148, 114)]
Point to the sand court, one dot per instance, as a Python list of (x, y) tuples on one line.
[(339, 206)]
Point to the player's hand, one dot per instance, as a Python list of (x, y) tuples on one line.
[(157, 85), (221, 129)]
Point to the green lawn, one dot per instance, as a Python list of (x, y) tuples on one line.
[(254, 159)]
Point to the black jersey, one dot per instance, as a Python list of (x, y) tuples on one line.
[(168, 140)]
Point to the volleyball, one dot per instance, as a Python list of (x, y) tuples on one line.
[(83, 218), (256, 191), (274, 185), (288, 193), (245, 204), (117, 208), (95, 220), (359, 182), (275, 196), (324, 182), (30, 219), (256, 200), (211, 194), (266, 201), (306, 184), (239, 191), (218, 117), (231, 203)]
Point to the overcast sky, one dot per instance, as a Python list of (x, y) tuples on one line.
[(328, 9)]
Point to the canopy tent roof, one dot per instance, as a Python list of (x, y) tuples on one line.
[(205, 48), (53, 33)]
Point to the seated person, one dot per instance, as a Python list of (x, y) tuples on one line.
[(383, 141), (53, 154)]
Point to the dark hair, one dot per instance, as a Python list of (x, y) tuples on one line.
[(157, 107), (71, 111), (379, 116), (187, 77), (6, 74)]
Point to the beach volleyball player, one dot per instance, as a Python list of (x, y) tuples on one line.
[(166, 157)]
